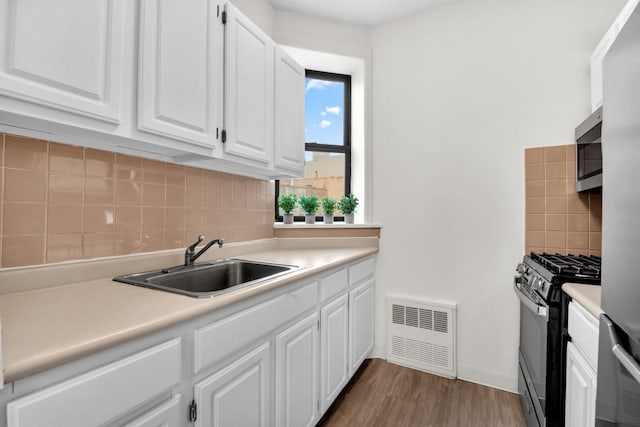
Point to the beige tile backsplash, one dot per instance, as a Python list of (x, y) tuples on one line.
[(557, 219), (60, 202)]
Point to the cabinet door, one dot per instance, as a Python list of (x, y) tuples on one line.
[(361, 324), (237, 395), (168, 414), (297, 374), (580, 390), (249, 89), (66, 55), (289, 115), (180, 69), (334, 360)]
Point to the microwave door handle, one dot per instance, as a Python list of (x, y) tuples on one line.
[(540, 310), (621, 354)]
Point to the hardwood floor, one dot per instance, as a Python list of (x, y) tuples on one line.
[(383, 394)]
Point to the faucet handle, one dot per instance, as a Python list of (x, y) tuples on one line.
[(192, 248)]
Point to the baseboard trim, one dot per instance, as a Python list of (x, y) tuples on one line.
[(378, 352), (467, 373), (490, 379)]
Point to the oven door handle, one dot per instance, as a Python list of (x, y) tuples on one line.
[(540, 310), (621, 354)]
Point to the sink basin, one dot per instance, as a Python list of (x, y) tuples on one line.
[(207, 279)]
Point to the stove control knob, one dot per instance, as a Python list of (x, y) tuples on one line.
[(522, 268), (538, 285), (535, 283)]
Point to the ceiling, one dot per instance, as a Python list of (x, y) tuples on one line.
[(360, 12)]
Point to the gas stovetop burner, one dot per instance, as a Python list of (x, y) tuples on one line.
[(578, 266)]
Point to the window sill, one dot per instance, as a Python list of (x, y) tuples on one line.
[(321, 230), (321, 225)]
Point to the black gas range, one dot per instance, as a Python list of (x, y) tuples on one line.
[(543, 330)]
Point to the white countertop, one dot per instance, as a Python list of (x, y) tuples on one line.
[(46, 327), (587, 295)]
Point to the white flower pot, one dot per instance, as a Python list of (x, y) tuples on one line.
[(348, 218), (287, 218)]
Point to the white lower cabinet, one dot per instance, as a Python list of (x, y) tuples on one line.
[(104, 394), (296, 375), (168, 414), (581, 390), (277, 359), (582, 362), (361, 324), (334, 345), (238, 394)]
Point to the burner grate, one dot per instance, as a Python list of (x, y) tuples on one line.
[(570, 265)]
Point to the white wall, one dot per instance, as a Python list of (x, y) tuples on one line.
[(293, 29), (259, 11), (458, 93)]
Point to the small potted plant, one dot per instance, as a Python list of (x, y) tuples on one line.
[(347, 206), (329, 206), (287, 202), (309, 205)]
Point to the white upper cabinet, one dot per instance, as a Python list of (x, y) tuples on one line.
[(249, 88), (603, 47), (65, 55), (184, 82), (180, 70), (289, 114)]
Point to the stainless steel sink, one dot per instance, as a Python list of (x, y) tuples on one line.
[(207, 279)]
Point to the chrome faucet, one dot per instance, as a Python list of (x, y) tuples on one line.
[(190, 255)]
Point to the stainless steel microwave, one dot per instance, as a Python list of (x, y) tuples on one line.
[(589, 153)]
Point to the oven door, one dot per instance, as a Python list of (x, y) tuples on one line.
[(534, 316)]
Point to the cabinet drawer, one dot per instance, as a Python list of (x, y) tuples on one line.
[(101, 395), (583, 328), (334, 284), (361, 271), (222, 338)]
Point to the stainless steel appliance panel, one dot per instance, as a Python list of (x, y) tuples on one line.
[(533, 414), (589, 153), (533, 347), (621, 198), (618, 392), (618, 395)]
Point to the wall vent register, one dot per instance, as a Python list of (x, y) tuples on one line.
[(421, 335)]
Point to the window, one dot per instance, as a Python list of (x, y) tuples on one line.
[(327, 141)]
